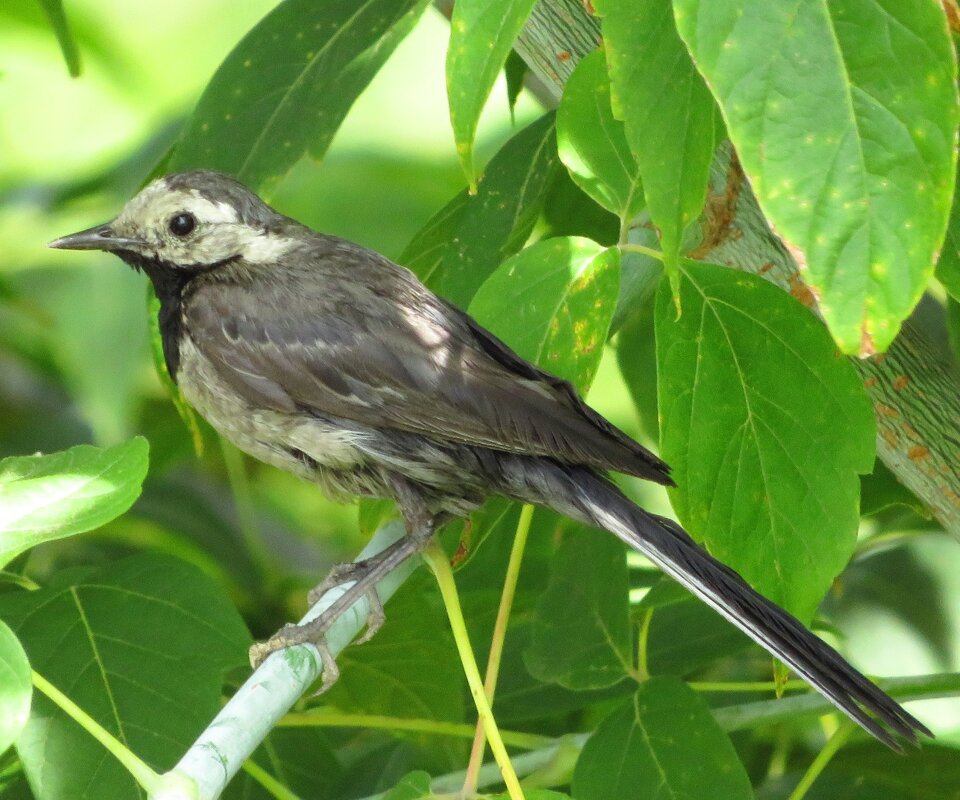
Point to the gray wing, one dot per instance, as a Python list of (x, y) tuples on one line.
[(392, 355)]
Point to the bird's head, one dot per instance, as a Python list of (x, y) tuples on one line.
[(186, 221)]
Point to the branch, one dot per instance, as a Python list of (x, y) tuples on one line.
[(244, 722), (914, 388)]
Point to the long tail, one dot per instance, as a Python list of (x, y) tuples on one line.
[(583, 495)]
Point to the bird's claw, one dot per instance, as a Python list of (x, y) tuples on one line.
[(290, 635)]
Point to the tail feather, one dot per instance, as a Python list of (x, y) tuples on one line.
[(583, 495)]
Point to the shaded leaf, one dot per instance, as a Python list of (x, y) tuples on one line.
[(553, 303), (466, 241), (664, 742), (866, 772), (482, 33), (286, 87), (581, 637), (414, 786), (592, 144), (515, 71), (142, 646), (766, 427), (860, 191), (948, 266), (46, 497)]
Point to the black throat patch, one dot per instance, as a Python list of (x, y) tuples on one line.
[(169, 283)]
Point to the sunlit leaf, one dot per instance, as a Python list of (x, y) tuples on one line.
[(15, 687), (553, 303), (766, 427), (46, 497), (593, 145), (286, 87), (668, 113), (482, 33), (844, 115)]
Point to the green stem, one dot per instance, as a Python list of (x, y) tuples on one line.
[(437, 560), (643, 667), (496, 644), (631, 247), (328, 718), (834, 743), (267, 781), (243, 501), (141, 773), (746, 686)]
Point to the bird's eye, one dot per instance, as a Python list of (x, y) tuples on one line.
[(181, 224)]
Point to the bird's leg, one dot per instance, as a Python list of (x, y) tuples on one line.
[(365, 575)]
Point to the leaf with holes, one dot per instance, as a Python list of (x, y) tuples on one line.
[(844, 115), (766, 427)]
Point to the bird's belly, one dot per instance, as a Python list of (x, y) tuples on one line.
[(289, 440)]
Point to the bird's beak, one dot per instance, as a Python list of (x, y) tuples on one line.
[(100, 237)]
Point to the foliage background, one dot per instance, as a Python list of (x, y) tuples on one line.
[(75, 366)]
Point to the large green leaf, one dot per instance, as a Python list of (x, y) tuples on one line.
[(142, 646), (592, 144), (468, 238), (663, 743), (482, 33), (667, 109), (948, 267), (581, 636), (766, 427), (286, 87), (844, 115), (553, 303), (410, 669), (15, 687), (50, 497), (61, 29)]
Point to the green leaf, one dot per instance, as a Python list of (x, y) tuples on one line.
[(284, 90), (553, 304), (302, 759), (637, 359), (482, 33), (948, 266), (410, 669), (592, 144), (61, 29), (581, 636), (844, 116), (15, 687), (866, 772), (707, 637), (766, 427), (50, 497), (414, 786), (667, 110), (142, 646), (880, 490), (664, 743), (515, 71), (469, 238)]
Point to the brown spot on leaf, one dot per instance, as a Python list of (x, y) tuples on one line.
[(765, 268), (917, 452), (800, 291), (563, 55), (900, 382), (891, 438), (953, 14), (867, 347), (719, 214), (869, 383)]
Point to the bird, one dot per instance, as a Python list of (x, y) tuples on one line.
[(325, 359)]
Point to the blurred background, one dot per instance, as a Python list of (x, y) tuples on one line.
[(75, 361)]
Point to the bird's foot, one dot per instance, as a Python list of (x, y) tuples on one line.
[(313, 632)]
